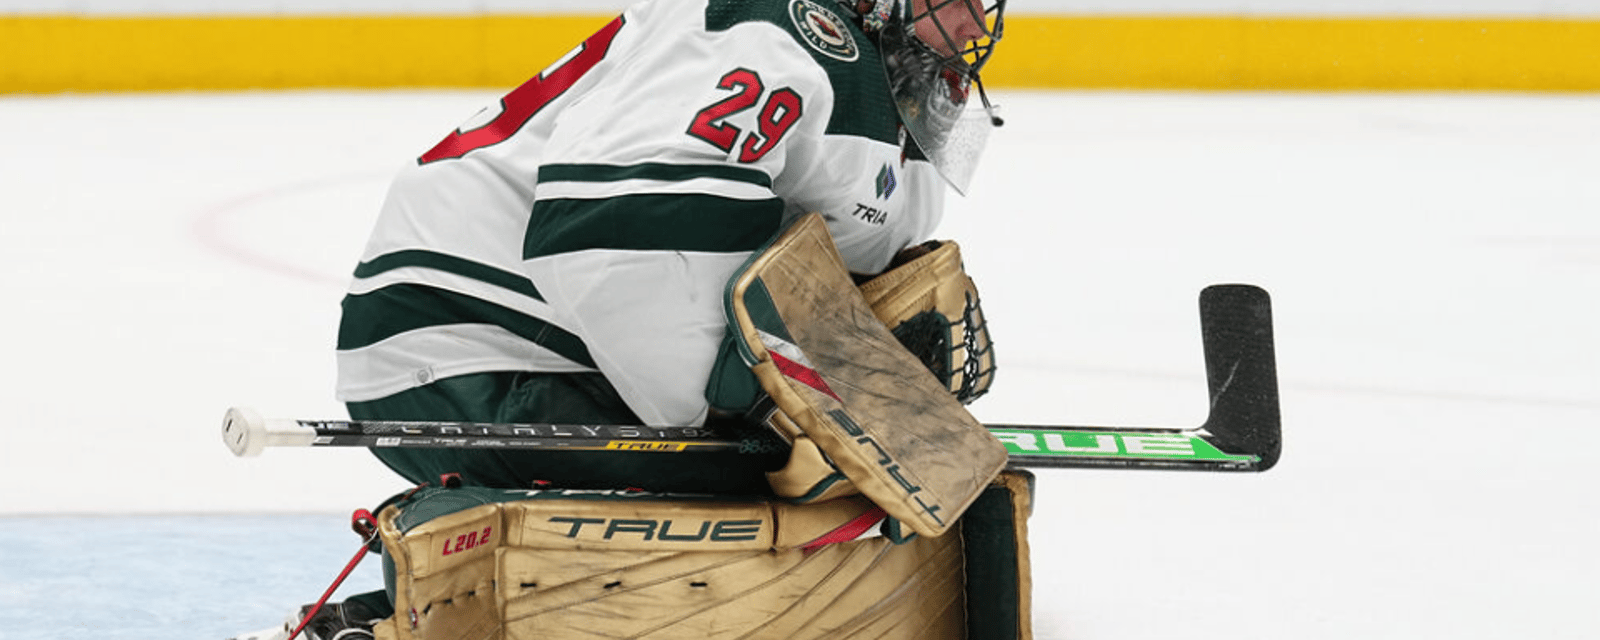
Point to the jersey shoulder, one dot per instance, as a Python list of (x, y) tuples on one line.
[(862, 104)]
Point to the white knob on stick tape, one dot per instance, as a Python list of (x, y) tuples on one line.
[(247, 433), (244, 431)]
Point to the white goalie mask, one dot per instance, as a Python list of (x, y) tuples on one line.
[(933, 51)]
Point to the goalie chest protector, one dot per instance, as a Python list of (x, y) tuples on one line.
[(494, 564)]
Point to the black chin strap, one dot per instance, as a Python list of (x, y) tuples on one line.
[(988, 108)]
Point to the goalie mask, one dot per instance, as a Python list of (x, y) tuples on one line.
[(933, 51)]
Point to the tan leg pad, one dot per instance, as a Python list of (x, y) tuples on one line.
[(651, 568)]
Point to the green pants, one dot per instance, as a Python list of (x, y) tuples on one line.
[(584, 398)]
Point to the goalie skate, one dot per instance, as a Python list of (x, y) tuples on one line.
[(346, 621)]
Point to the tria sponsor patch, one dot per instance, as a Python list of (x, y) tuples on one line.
[(885, 182), (871, 215)]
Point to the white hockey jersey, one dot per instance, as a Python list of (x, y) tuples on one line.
[(590, 220)]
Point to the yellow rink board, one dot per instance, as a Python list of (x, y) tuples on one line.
[(71, 53)]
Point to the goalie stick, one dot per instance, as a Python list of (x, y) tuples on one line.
[(1241, 432)]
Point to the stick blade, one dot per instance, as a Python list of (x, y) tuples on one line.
[(1241, 371)]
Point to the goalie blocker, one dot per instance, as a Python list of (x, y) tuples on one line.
[(863, 414)]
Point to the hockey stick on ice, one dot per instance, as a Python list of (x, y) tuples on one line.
[(1241, 432)]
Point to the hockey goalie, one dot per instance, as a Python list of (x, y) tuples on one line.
[(710, 213)]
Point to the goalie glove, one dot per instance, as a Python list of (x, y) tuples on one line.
[(931, 306)]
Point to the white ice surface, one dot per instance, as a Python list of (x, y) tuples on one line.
[(1434, 261)]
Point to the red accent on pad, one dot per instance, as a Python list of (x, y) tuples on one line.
[(364, 524), (803, 374), (848, 531)]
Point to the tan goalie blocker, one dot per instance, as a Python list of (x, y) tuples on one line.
[(848, 394)]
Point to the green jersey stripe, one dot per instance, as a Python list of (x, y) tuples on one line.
[(651, 171), (450, 264), (372, 317), (664, 222)]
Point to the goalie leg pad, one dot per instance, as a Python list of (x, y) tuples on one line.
[(999, 578), (490, 564)]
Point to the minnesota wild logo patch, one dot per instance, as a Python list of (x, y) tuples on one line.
[(823, 30)]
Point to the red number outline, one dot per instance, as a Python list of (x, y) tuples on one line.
[(780, 111), (707, 123), (772, 124), (519, 106)]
